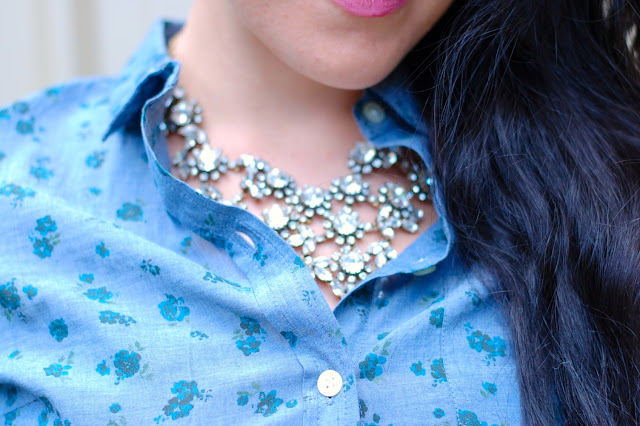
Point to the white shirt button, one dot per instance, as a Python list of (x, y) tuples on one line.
[(329, 383), (373, 112)]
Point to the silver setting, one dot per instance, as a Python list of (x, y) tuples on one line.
[(296, 207)]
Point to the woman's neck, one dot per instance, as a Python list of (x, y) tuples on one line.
[(252, 100)]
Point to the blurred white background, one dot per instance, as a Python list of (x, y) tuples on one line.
[(43, 42)]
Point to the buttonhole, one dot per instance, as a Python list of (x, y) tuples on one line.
[(247, 239), (425, 271)]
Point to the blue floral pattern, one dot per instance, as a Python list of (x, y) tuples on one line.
[(126, 363), (101, 294), (45, 227), (185, 244), (172, 309), (147, 266), (30, 291), (371, 368), (180, 406), (249, 327), (102, 250), (130, 211), (469, 418), (40, 170), (437, 316), (9, 297), (17, 193), (438, 413), (95, 159), (493, 347), (10, 300), (198, 334), (110, 317), (58, 329), (86, 278), (488, 388), (103, 369), (265, 403), (103, 247), (437, 372), (418, 369), (61, 368)]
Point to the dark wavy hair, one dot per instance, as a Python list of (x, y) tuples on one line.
[(534, 111)]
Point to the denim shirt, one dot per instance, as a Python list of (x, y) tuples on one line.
[(126, 297)]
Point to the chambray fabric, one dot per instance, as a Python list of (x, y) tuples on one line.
[(128, 298)]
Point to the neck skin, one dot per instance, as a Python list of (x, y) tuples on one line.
[(254, 103)]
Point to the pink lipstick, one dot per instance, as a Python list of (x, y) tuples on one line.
[(370, 8)]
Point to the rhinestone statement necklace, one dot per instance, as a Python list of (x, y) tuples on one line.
[(296, 207)]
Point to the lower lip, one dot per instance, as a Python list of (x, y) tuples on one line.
[(370, 8)]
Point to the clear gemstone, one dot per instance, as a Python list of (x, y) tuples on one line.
[(381, 260), (248, 161), (178, 157), (296, 240), (214, 193), (309, 246), (193, 132), (390, 159), (410, 225), (184, 171), (337, 290), (351, 185), (189, 131), (312, 197), (276, 217), (375, 248), (254, 191), (306, 232), (208, 158), (277, 178), (385, 211), (320, 268), (352, 263), (189, 143), (181, 113), (363, 153), (178, 92), (346, 222), (388, 232)]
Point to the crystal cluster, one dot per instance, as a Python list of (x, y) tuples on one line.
[(298, 206)]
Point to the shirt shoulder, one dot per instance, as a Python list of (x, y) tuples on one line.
[(31, 118), (51, 121)]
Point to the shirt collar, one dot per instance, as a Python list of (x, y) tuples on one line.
[(143, 76)]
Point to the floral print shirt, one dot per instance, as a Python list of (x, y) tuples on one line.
[(128, 298)]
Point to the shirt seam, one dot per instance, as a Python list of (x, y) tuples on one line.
[(450, 379)]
